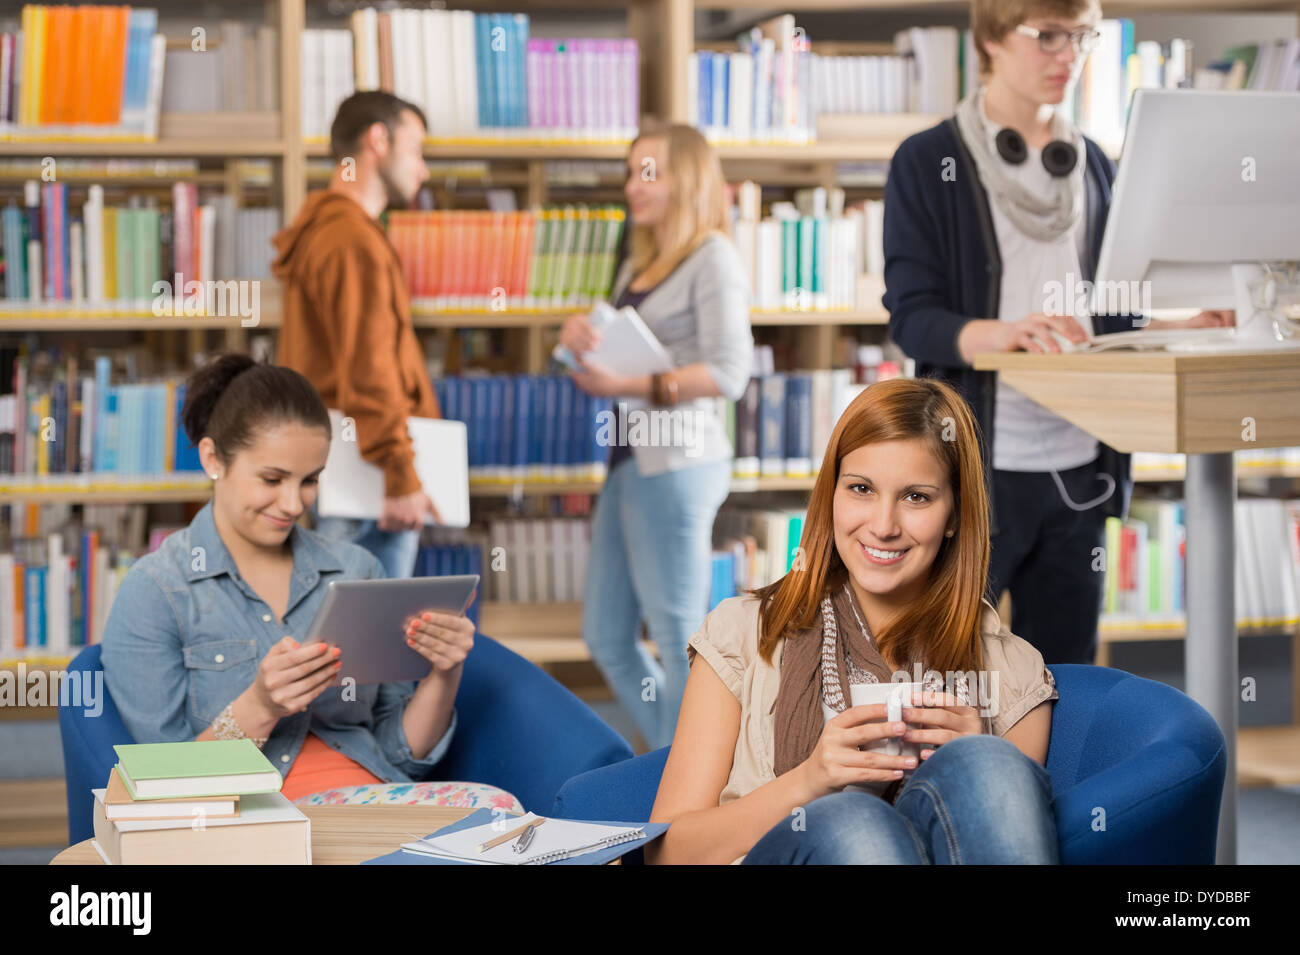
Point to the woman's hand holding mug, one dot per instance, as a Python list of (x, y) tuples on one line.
[(839, 761)]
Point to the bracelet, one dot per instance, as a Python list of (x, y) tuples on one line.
[(663, 388), (225, 727)]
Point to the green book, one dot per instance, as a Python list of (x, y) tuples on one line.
[(195, 768)]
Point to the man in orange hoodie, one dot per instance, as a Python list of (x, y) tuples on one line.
[(347, 316)]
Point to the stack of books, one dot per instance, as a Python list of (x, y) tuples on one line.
[(204, 802)]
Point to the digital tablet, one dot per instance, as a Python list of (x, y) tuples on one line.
[(367, 619)]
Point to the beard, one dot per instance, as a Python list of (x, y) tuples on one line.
[(397, 199)]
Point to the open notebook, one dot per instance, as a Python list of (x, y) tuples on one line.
[(554, 840)]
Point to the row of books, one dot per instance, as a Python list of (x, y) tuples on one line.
[(1268, 65), (34, 167), (752, 547), (475, 75), (1146, 564), (113, 258), (537, 559), (809, 253), (236, 70), (527, 427), (773, 88), (551, 258), (200, 802), (758, 93), (55, 420), (82, 72)]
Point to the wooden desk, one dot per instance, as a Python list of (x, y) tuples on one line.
[(340, 835), (1204, 406)]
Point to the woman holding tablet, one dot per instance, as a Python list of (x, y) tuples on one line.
[(651, 534), (204, 639), (896, 548)]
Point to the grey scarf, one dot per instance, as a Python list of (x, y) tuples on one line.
[(1036, 218)]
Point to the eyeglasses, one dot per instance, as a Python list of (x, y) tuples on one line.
[(1053, 41)]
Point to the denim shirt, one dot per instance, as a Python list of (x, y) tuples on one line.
[(186, 632)]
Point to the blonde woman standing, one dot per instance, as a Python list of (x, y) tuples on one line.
[(652, 529)]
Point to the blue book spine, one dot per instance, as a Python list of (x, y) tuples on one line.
[(496, 390), (110, 429), (506, 457), (798, 425), (523, 426), (771, 425), (551, 403), (564, 426), (35, 592), (502, 56), (582, 415), (537, 428), (481, 425), (486, 68), (103, 367), (705, 88), (718, 87), (519, 87), (65, 241)]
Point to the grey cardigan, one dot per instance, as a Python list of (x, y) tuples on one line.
[(700, 313)]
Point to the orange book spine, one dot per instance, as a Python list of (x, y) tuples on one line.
[(116, 65), (20, 605), (433, 254), (523, 256)]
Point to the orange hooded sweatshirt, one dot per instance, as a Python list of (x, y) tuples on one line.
[(347, 329)]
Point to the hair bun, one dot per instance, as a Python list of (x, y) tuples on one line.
[(205, 388)]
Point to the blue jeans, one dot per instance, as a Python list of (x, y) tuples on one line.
[(977, 801), (651, 558), (396, 550)]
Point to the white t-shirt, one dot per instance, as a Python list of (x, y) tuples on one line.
[(1028, 437)]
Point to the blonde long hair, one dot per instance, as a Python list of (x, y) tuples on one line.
[(698, 207), (943, 626)]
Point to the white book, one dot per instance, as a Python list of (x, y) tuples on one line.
[(518, 575), (8, 642), (562, 563), (365, 49), (93, 216), (435, 37), (500, 563), (76, 266), (693, 89), (538, 530), (352, 487), (580, 544), (313, 106), (56, 597), (465, 68), (153, 100)]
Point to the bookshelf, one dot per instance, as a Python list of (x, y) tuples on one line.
[(666, 33)]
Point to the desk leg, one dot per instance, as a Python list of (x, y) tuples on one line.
[(1211, 644)]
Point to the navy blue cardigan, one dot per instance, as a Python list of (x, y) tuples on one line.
[(942, 269)]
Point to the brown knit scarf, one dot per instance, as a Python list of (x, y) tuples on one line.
[(798, 720)]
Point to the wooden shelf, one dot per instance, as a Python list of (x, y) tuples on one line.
[(1120, 632), (161, 147), (182, 491)]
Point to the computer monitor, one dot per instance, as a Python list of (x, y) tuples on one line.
[(1208, 192)]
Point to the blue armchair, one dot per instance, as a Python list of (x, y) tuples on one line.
[(1149, 756), (518, 729)]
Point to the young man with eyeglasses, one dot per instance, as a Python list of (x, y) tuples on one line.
[(989, 216)]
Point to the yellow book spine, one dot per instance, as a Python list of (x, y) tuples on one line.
[(110, 254), (45, 424)]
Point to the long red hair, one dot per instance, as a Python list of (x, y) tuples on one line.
[(942, 628)]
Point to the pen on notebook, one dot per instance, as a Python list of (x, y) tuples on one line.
[(524, 840), (512, 834)]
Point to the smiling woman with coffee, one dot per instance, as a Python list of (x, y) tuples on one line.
[(772, 763)]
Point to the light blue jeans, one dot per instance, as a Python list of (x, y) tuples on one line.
[(396, 550), (977, 801), (651, 559)]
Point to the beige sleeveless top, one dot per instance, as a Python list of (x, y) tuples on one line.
[(1015, 681)]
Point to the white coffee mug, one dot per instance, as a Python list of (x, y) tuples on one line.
[(867, 694)]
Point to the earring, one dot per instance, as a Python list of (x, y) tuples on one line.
[(213, 476), (948, 533)]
